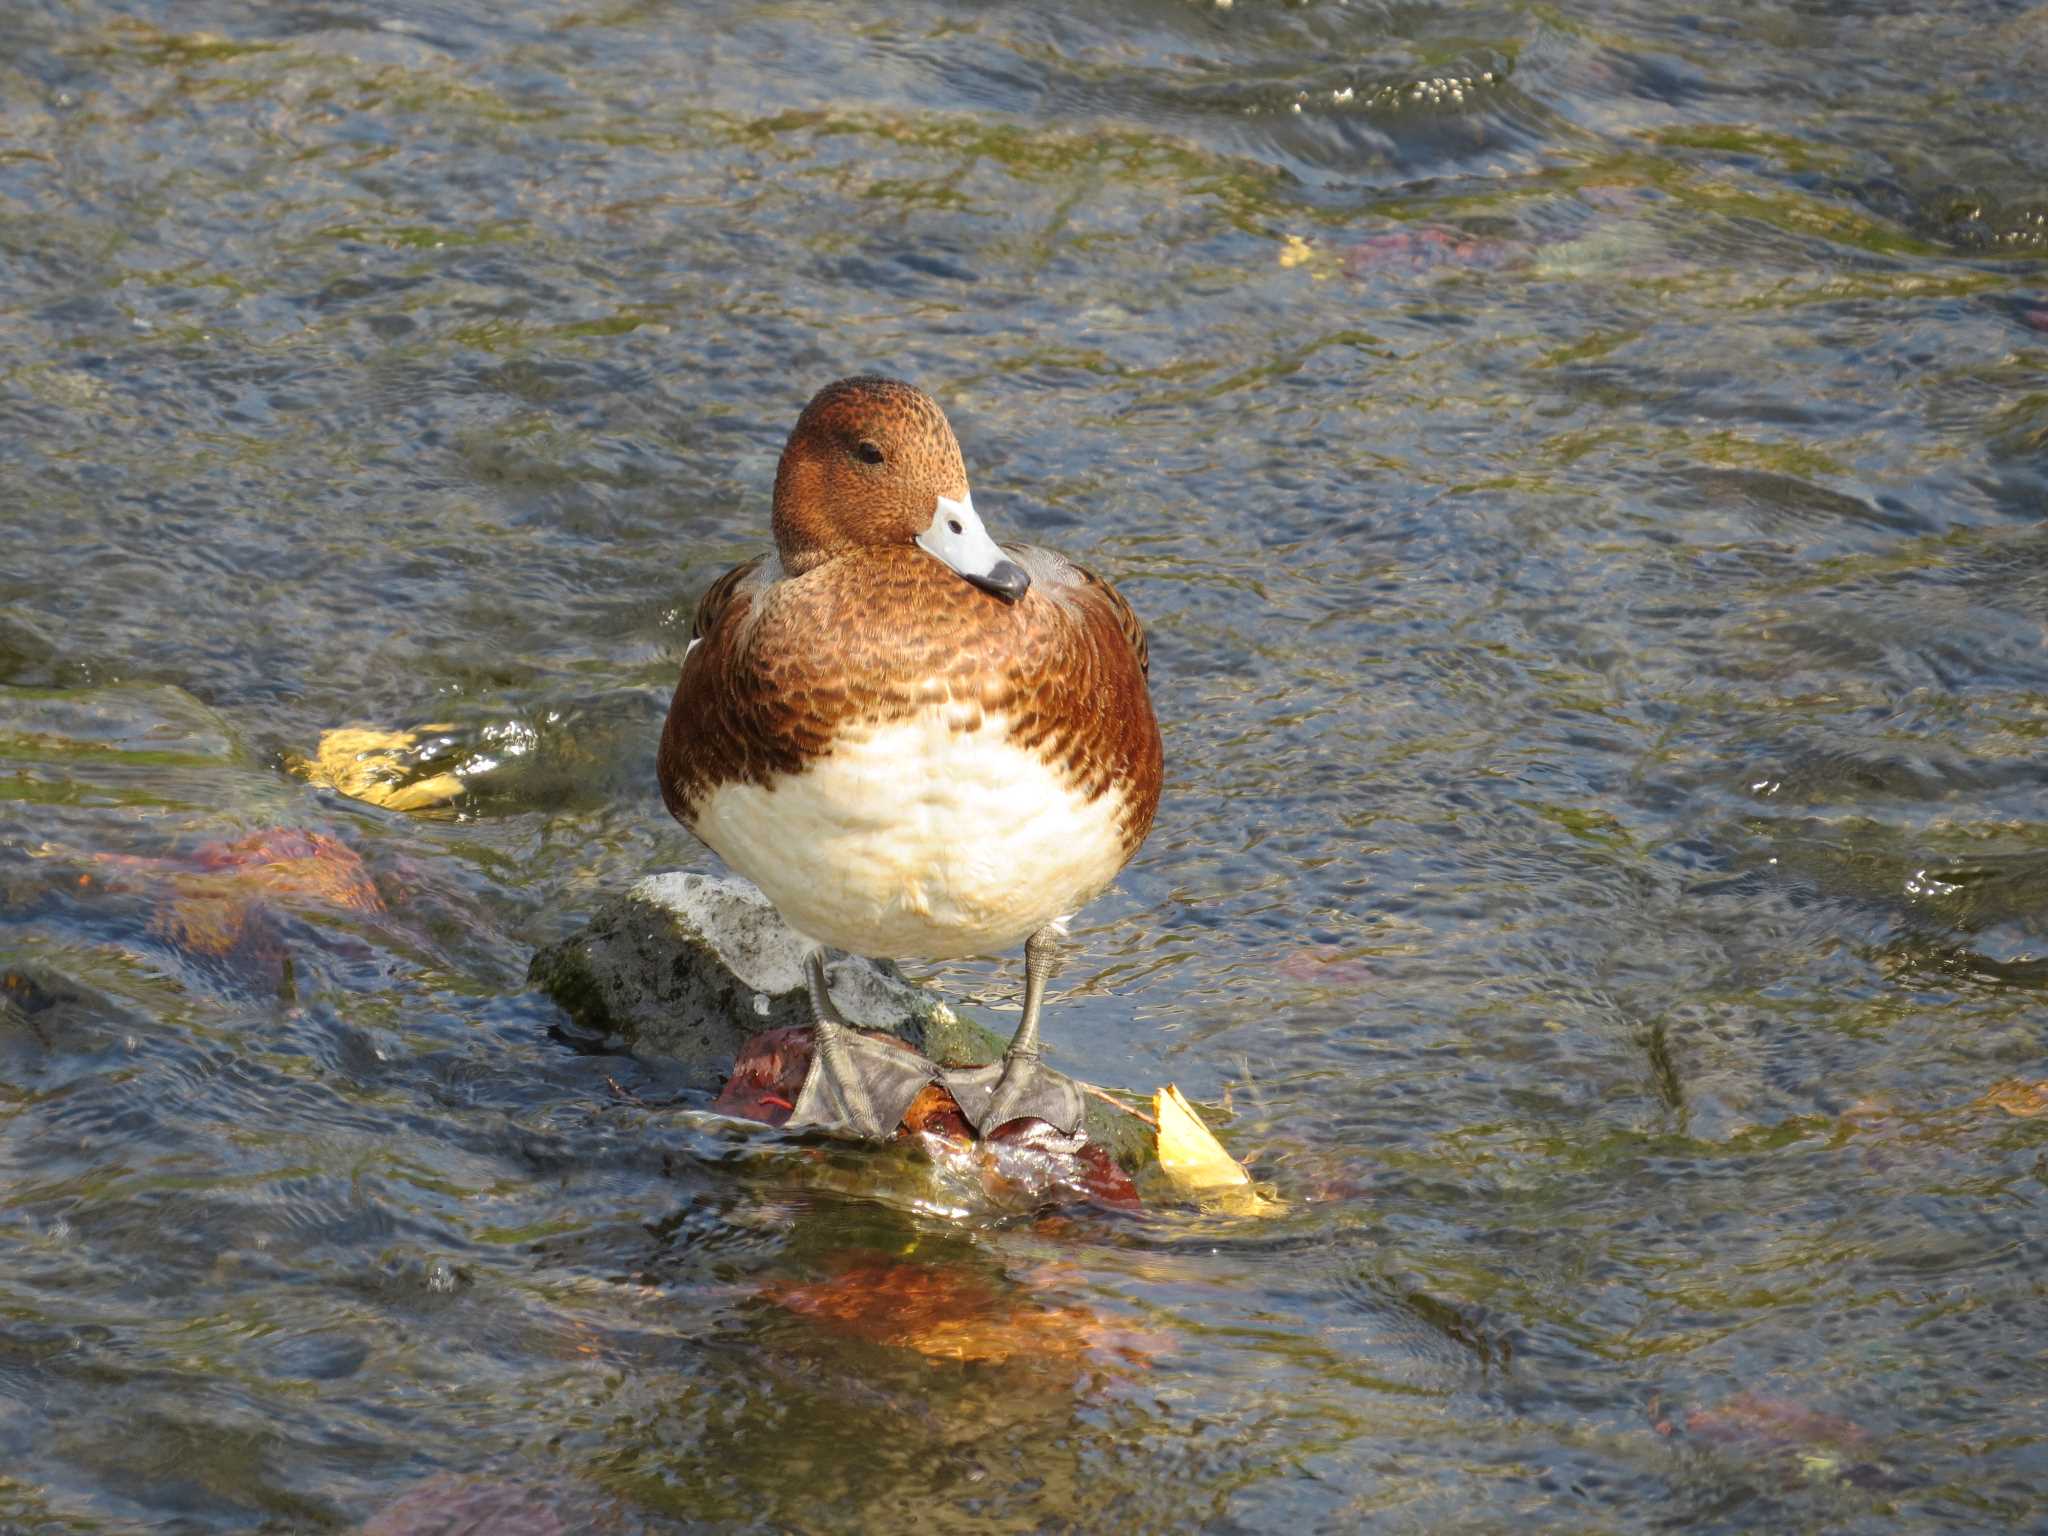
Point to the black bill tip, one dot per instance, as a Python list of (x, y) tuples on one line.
[(1006, 579)]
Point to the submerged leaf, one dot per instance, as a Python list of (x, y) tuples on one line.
[(372, 765), (2018, 1097), (288, 862), (216, 899), (1763, 1419), (952, 1312)]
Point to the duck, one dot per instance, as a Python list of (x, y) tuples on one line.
[(918, 743)]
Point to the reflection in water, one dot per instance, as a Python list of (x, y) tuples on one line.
[(1582, 474)]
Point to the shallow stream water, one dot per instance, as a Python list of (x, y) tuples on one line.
[(1583, 469)]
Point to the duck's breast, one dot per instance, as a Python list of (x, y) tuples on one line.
[(927, 837)]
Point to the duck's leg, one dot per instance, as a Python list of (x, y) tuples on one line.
[(856, 1083), (1023, 1086)]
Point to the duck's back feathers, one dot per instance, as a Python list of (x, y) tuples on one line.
[(1080, 587), (735, 586)]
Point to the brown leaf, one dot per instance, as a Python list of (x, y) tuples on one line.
[(1023, 1161), (944, 1312), (288, 862), (216, 894), (1763, 1419), (767, 1076), (935, 1112)]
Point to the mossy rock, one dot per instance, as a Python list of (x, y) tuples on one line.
[(689, 967)]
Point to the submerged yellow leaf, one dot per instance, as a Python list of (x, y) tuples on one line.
[(2016, 1096), (370, 765), (438, 790), (1195, 1162)]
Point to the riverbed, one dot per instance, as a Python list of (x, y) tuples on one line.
[(1582, 471)]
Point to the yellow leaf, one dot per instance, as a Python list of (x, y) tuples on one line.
[(438, 790), (371, 765), (1195, 1162)]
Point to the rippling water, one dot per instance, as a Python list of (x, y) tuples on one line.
[(1584, 472)]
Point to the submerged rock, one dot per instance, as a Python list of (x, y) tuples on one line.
[(512, 1504), (692, 968)]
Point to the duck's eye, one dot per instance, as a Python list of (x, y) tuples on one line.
[(870, 453), (954, 524)]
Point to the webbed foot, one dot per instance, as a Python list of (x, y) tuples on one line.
[(856, 1083), (1015, 1088), (1020, 1086)]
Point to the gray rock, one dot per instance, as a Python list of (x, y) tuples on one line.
[(688, 967)]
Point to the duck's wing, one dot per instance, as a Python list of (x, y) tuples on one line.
[(699, 740), (1094, 693), (1079, 587), (735, 587)]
